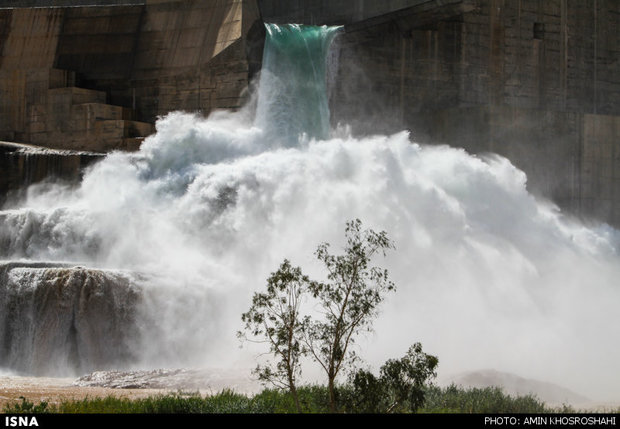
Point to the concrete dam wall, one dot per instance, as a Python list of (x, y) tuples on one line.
[(533, 81), (96, 78), (23, 165)]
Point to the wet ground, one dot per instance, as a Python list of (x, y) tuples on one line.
[(129, 384), (57, 390)]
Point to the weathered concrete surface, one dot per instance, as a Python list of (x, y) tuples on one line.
[(490, 55), (22, 165), (97, 77), (545, 144), (599, 167), (196, 56), (334, 12), (64, 3), (41, 103), (571, 157), (538, 82)]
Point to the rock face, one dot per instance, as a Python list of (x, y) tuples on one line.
[(64, 320)]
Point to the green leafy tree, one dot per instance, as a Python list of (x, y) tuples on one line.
[(400, 387), (274, 318), (369, 393), (349, 299), (406, 378)]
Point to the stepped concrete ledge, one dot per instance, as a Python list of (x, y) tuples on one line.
[(41, 150), (23, 4), (24, 164), (75, 95)]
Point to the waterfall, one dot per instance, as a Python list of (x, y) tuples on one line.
[(487, 275), (23, 165), (57, 319), (292, 96)]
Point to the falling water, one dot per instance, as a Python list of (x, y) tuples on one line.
[(487, 275), (293, 97)]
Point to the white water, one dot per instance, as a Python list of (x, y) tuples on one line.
[(487, 276)]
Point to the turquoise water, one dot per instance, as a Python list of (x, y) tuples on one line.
[(293, 97)]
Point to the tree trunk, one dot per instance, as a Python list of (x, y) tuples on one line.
[(332, 395), (295, 397)]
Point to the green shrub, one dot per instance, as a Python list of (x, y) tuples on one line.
[(25, 407)]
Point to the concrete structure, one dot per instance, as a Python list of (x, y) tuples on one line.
[(96, 78), (536, 81), (22, 165)]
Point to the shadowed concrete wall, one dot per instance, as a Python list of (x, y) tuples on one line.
[(97, 77), (23, 165), (537, 82), (64, 3), (201, 56), (333, 12)]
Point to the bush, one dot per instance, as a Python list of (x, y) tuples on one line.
[(401, 386), (25, 407)]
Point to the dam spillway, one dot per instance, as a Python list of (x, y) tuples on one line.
[(60, 318), (24, 165), (209, 206), (532, 81)]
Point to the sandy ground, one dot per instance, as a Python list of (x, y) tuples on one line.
[(56, 390), (132, 385)]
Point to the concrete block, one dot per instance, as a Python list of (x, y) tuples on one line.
[(138, 129), (74, 95), (90, 112)]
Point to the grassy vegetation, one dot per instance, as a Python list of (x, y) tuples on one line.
[(453, 399), (313, 399)]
